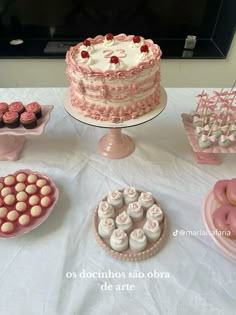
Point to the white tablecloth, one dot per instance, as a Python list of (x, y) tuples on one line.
[(56, 268)]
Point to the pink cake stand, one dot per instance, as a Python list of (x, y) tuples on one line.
[(208, 155), (12, 140), (227, 245), (115, 145)]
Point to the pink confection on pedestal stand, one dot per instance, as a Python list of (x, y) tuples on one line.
[(12, 140)]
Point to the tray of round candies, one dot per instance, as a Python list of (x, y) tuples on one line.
[(26, 200)]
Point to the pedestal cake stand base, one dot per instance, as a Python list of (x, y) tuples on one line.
[(116, 145), (11, 147)]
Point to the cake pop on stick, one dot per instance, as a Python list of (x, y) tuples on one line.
[(226, 140)]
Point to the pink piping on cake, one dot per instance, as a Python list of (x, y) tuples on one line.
[(113, 113), (111, 74)]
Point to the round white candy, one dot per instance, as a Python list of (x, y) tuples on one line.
[(21, 196), (21, 177), (12, 215), (46, 190), (32, 178), (21, 206), (7, 227), (31, 189), (34, 200), (9, 180), (41, 182), (24, 219), (36, 211), (6, 191), (3, 212), (20, 187), (45, 201), (9, 200)]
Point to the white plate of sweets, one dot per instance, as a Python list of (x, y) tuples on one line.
[(129, 224)]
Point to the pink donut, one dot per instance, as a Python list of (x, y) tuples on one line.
[(231, 191), (219, 191), (224, 218)]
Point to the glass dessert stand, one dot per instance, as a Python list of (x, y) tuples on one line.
[(12, 140), (115, 145), (208, 155)]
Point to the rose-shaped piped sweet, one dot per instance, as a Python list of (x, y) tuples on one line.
[(124, 222), (146, 200), (138, 240), (119, 240), (135, 211), (105, 210), (106, 227), (130, 195), (152, 230), (115, 198), (155, 213)]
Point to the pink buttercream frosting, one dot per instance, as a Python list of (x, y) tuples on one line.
[(33, 107), (10, 116), (16, 107), (1, 115), (114, 94), (27, 116), (3, 106)]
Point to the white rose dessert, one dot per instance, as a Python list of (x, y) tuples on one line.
[(119, 240), (152, 230), (137, 240), (105, 210), (124, 222), (146, 200), (106, 227), (130, 195), (155, 213), (115, 199), (135, 211)]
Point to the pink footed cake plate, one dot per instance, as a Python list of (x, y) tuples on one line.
[(12, 140), (27, 198), (227, 245), (207, 155), (152, 247)]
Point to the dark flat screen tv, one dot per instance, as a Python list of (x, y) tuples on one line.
[(47, 28)]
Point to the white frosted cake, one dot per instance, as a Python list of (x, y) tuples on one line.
[(114, 78)]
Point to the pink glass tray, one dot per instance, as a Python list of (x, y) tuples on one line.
[(12, 140), (128, 255), (19, 230), (208, 155), (228, 246)]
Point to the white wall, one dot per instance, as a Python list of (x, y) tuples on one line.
[(175, 73)]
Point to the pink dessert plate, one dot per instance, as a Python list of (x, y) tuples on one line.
[(12, 140), (208, 155), (129, 255), (227, 245), (19, 230)]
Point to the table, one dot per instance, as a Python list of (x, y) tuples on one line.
[(59, 269)]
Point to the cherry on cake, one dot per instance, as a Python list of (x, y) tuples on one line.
[(114, 77)]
